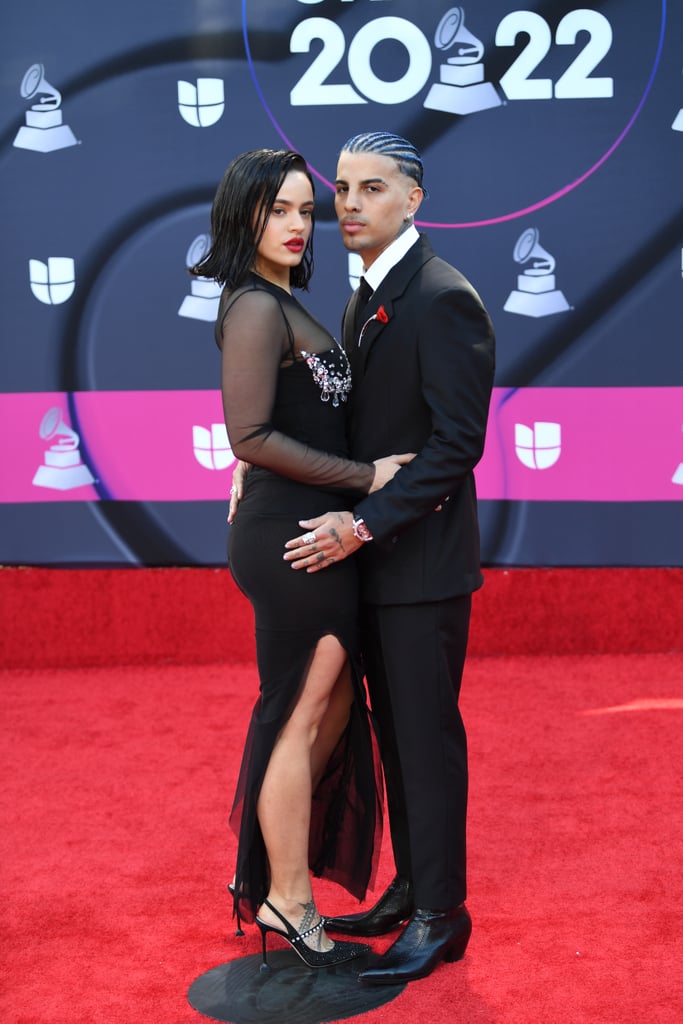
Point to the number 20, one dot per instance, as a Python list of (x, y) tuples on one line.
[(574, 83)]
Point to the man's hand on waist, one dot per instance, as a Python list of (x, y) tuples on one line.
[(328, 539)]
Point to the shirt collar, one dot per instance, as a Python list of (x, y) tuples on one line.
[(392, 255)]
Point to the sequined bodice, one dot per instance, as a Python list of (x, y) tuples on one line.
[(331, 372)]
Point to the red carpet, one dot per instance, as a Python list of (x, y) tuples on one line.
[(116, 785), (94, 617)]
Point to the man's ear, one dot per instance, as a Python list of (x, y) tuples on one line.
[(415, 197)]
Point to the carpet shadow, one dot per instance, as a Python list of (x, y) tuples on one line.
[(238, 992)]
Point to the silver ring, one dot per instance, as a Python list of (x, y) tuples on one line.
[(308, 538), (233, 490)]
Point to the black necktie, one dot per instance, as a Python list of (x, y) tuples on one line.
[(364, 294)]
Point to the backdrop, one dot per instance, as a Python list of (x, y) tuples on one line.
[(552, 138)]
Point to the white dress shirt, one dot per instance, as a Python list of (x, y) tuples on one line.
[(392, 255)]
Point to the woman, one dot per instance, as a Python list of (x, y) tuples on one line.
[(308, 792)]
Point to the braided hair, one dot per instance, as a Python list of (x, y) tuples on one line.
[(396, 147)]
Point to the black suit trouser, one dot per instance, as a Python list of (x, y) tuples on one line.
[(414, 657)]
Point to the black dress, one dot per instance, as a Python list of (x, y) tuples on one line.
[(285, 384)]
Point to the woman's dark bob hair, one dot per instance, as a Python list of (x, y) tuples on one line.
[(239, 214)]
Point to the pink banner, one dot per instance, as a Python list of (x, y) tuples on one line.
[(584, 444), (543, 444), (121, 445)]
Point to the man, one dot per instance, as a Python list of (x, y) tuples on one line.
[(422, 357)]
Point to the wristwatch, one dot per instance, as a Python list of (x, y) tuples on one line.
[(360, 530)]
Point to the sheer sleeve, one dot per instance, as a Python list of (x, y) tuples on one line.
[(255, 341)]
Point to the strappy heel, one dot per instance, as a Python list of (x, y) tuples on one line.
[(236, 910), (340, 952)]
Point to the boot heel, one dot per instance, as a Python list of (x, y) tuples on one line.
[(456, 950)]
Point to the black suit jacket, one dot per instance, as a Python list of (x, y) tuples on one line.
[(422, 383)]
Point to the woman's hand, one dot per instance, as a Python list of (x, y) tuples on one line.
[(387, 468), (239, 475)]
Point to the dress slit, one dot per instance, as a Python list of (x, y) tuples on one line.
[(346, 818)]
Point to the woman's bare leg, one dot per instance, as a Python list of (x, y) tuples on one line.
[(332, 726), (284, 804)]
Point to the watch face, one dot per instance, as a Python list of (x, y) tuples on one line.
[(361, 531)]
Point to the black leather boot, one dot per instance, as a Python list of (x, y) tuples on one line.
[(428, 938), (393, 907)]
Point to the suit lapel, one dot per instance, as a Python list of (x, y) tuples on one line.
[(391, 289)]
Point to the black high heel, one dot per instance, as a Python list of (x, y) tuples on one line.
[(340, 952), (236, 908)]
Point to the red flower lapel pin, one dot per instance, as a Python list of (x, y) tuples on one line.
[(380, 315)]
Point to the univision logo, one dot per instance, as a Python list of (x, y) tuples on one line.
[(538, 447), (52, 282), (211, 447), (202, 104)]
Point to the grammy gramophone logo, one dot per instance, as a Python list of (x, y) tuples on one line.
[(44, 130), (202, 302), (678, 121), (62, 468), (536, 293), (677, 478), (461, 89)]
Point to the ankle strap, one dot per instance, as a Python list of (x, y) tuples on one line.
[(288, 925)]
